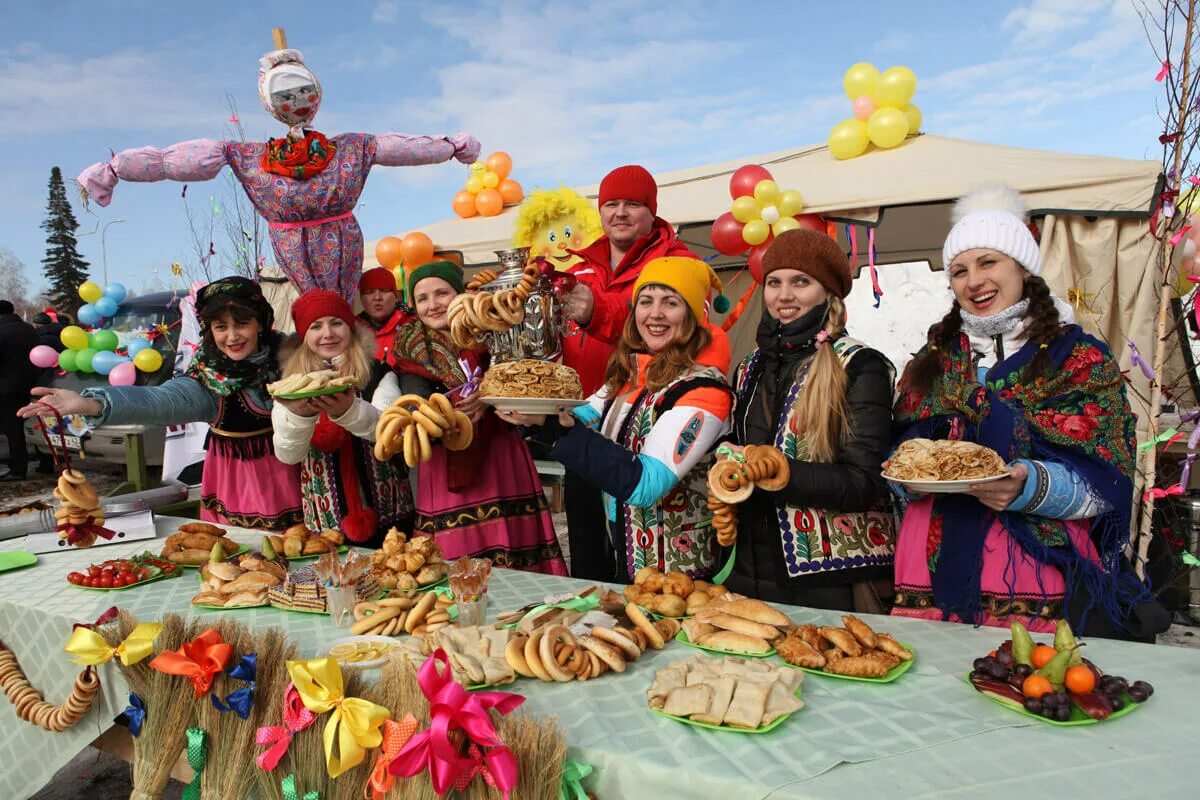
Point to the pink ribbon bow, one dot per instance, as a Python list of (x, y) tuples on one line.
[(450, 708), (1159, 494), (1164, 72), (295, 719)]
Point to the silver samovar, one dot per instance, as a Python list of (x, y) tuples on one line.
[(540, 335)]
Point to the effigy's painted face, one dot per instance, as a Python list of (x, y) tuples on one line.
[(294, 101), (552, 239)]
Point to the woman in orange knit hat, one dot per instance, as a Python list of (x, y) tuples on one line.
[(644, 438)]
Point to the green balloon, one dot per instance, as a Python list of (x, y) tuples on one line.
[(83, 359), (103, 340), (66, 360)]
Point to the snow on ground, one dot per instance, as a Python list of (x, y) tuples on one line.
[(914, 297)]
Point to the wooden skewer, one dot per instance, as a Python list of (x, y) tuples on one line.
[(280, 37)]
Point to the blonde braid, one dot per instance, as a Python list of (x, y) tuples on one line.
[(823, 413)]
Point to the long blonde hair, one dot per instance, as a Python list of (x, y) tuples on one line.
[(665, 366), (355, 361), (822, 414)]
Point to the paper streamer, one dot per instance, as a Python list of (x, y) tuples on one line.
[(1135, 358)]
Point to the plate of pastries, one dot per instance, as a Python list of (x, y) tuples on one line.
[(943, 466), (310, 384), (854, 651), (531, 386)]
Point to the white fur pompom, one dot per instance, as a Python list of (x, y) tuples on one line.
[(990, 198)]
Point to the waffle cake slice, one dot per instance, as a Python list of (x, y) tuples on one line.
[(303, 591)]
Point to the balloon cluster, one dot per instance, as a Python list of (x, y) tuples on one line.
[(489, 189), (760, 212), (408, 253), (99, 304), (883, 111), (96, 352)]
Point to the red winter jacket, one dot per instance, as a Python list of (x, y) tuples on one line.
[(385, 334), (587, 352)]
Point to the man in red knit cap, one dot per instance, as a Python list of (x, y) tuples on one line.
[(634, 235), (382, 309)]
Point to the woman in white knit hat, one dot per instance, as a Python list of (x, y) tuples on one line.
[(1006, 368)]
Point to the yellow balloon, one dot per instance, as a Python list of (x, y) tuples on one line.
[(914, 118), (766, 191), (746, 209), (790, 203), (477, 168), (887, 127), (474, 184), (73, 337), (896, 87), (755, 232), (90, 292), (860, 80), (785, 224), (848, 139), (490, 180), (401, 276), (148, 360)]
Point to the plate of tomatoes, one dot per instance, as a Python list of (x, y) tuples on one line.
[(124, 573)]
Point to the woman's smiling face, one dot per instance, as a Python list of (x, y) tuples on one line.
[(789, 294), (659, 314), (985, 281)]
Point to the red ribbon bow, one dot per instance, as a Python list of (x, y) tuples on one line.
[(199, 660), (1159, 494), (295, 719), (1164, 72), (450, 708)]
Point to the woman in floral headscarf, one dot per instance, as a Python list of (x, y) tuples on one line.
[(224, 386)]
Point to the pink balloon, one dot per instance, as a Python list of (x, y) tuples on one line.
[(123, 374), (863, 107), (43, 356), (742, 182)]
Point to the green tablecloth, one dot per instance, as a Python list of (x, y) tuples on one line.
[(928, 734)]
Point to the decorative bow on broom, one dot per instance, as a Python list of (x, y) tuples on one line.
[(451, 708), (199, 660), (279, 737), (88, 647), (353, 728), (241, 700)]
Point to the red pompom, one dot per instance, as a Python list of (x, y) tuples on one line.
[(328, 436), (359, 526)]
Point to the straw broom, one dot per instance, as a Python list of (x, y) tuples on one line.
[(168, 701), (231, 767), (540, 751)]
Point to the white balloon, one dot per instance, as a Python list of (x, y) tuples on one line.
[(770, 215)]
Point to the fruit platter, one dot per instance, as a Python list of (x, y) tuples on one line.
[(124, 573), (1054, 683)]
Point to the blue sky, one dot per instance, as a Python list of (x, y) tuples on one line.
[(569, 89)]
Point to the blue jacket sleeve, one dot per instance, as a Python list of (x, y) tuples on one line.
[(599, 461), (177, 401)]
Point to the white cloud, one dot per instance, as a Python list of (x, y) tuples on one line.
[(1042, 19), (385, 11)]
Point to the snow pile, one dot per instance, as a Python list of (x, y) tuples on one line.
[(914, 297)]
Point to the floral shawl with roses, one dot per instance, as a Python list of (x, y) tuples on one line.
[(1077, 415)]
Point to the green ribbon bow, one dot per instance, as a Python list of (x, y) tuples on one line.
[(197, 756), (1190, 559), (1157, 440), (571, 787), (289, 790), (722, 576), (731, 454)]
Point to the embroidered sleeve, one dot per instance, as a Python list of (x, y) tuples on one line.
[(1055, 491), (193, 160)]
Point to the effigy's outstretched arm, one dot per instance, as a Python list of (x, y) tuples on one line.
[(193, 160), (404, 150)]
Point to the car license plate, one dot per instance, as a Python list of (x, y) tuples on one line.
[(70, 442)]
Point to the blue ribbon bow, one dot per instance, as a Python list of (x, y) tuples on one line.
[(134, 714), (241, 700)]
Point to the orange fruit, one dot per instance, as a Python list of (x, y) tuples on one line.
[(1036, 686), (1042, 655), (1080, 679)]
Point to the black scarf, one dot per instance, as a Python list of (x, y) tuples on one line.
[(782, 346)]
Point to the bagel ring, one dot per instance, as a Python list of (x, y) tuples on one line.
[(79, 494), (781, 472), (460, 436), (606, 652), (625, 644), (725, 482), (546, 649), (533, 659)]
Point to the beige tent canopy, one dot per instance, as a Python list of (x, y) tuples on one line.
[(1092, 212)]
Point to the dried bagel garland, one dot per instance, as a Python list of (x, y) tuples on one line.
[(29, 703), (473, 313), (411, 423), (79, 516), (731, 481)]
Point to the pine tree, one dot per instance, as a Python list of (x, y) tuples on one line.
[(63, 266)]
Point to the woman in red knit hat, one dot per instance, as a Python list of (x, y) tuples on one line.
[(342, 485)]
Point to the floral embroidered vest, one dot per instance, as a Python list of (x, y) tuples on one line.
[(818, 540), (676, 532)]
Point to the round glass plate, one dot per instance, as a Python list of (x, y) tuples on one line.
[(345, 650)]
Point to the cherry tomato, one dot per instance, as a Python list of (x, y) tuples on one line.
[(88, 580), (75, 578), (106, 582)]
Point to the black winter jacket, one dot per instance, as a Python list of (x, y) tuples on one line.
[(17, 338), (852, 482)]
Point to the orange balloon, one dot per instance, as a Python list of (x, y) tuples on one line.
[(511, 192), (464, 204), (489, 202), (499, 163), (417, 249), (388, 252)]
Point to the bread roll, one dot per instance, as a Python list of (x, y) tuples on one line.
[(736, 642)]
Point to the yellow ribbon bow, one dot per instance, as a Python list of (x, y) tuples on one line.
[(88, 647), (355, 724)]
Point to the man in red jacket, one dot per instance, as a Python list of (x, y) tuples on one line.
[(634, 235), (383, 309)]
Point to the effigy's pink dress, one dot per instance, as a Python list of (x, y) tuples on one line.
[(316, 238)]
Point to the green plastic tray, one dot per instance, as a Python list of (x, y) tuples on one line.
[(17, 559), (160, 576), (228, 608), (729, 728), (893, 673), (314, 556), (1078, 717), (683, 637), (324, 390)]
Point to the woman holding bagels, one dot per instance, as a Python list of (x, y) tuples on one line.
[(824, 401), (1006, 369), (645, 437), (485, 500), (225, 387)]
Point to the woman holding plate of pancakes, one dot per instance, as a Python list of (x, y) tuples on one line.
[(645, 437), (823, 399), (1007, 369), (485, 500)]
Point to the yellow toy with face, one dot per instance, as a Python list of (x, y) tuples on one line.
[(553, 222)]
